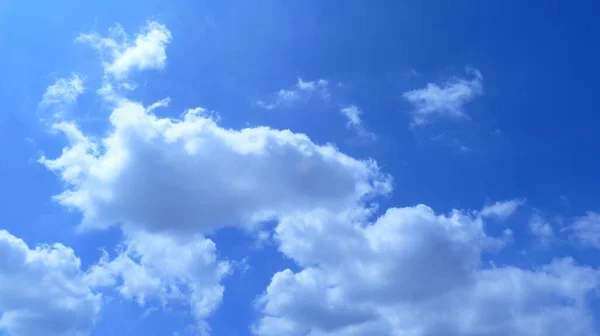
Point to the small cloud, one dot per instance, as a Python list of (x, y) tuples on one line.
[(501, 210), (564, 201), (262, 104), (159, 104), (452, 143), (586, 229), (241, 266), (302, 91), (540, 228), (413, 73), (317, 85), (287, 96), (461, 148), (352, 114), (121, 56), (64, 91), (446, 99), (262, 239)]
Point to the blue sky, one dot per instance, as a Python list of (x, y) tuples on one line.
[(299, 168)]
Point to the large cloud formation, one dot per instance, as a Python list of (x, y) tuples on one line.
[(167, 182), (412, 272), (193, 175), (43, 290)]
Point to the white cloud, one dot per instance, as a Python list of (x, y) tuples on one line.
[(287, 96), (159, 104), (184, 175), (445, 100), (320, 85), (502, 209), (121, 56), (586, 229), (165, 268), (264, 105), (167, 181), (415, 273), (42, 290), (541, 228), (352, 114), (302, 91), (64, 91)]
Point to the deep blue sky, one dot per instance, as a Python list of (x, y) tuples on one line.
[(532, 134)]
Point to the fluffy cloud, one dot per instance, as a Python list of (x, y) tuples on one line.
[(166, 182), (121, 56), (167, 269), (352, 114), (502, 209), (193, 175), (415, 273), (63, 92), (43, 290), (445, 100)]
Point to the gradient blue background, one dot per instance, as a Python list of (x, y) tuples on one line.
[(533, 134)]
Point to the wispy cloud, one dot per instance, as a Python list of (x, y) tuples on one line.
[(264, 105), (586, 229), (352, 114), (446, 99), (451, 142), (288, 96), (501, 209), (320, 86), (301, 91), (541, 228), (63, 91)]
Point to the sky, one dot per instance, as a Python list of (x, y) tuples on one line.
[(309, 168)]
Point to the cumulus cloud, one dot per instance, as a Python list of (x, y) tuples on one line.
[(120, 55), (43, 290), (302, 91), (352, 114), (444, 100), (167, 182), (501, 209), (415, 273), (167, 269), (186, 175), (63, 92)]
